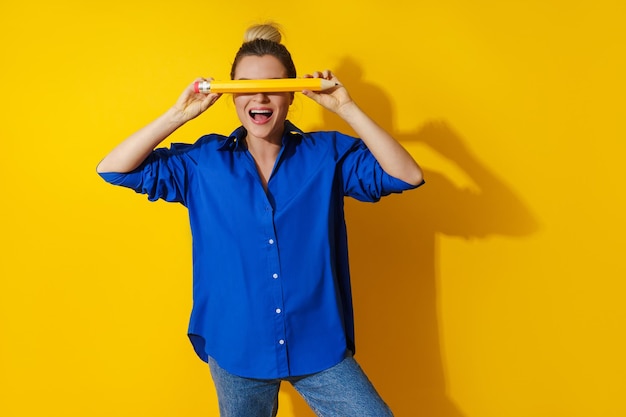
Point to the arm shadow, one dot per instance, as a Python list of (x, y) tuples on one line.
[(394, 258)]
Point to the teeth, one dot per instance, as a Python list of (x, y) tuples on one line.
[(260, 112)]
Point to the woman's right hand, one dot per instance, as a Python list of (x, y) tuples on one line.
[(131, 152), (191, 104)]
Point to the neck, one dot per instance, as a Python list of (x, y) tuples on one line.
[(264, 147), (264, 154)]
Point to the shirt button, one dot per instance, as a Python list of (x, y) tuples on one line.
[(275, 276), (278, 310), (281, 342), (271, 241)]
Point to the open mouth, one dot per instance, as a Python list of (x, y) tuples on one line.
[(260, 115)]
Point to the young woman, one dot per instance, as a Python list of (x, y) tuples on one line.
[(272, 298)]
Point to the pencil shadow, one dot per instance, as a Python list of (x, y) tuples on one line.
[(394, 258)]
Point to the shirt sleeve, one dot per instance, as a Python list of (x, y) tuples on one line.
[(363, 177), (163, 175)]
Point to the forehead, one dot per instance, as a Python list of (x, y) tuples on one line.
[(259, 67)]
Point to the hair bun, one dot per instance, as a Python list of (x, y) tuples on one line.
[(269, 31)]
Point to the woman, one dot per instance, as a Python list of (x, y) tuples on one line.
[(272, 299)]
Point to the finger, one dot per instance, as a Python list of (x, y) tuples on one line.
[(213, 99), (313, 96), (200, 79)]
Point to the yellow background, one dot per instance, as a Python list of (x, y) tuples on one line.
[(496, 290)]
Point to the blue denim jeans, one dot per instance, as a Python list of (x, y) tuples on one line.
[(341, 391)]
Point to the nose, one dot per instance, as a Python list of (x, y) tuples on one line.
[(261, 96)]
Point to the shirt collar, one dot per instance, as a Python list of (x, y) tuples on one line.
[(291, 129), (233, 141)]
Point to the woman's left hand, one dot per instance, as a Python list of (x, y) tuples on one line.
[(333, 99)]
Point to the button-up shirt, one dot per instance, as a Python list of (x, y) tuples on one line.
[(271, 282)]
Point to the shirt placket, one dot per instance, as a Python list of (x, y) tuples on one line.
[(275, 281)]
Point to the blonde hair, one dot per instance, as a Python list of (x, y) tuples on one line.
[(269, 30), (264, 39)]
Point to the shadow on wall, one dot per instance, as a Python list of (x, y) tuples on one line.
[(394, 259)]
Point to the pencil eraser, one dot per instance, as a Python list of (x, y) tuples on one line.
[(196, 86)]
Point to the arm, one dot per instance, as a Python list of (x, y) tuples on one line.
[(129, 154), (391, 155)]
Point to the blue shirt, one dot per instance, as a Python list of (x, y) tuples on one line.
[(271, 282)]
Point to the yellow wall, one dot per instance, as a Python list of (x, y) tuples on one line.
[(494, 291)]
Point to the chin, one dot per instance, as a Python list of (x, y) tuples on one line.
[(265, 131)]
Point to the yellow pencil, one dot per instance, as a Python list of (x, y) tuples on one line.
[(263, 86)]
